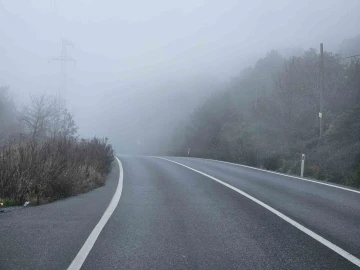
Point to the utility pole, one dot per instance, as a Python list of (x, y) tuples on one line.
[(64, 58), (322, 86)]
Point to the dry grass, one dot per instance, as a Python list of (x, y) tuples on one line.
[(53, 168)]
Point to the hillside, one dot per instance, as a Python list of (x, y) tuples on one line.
[(268, 117)]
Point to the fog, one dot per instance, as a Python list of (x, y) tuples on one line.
[(143, 66)]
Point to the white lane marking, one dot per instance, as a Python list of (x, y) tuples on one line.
[(312, 234), (90, 241), (287, 175)]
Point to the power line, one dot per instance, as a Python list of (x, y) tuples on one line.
[(347, 57), (328, 60)]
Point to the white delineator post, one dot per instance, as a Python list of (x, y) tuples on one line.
[(302, 165), (189, 152)]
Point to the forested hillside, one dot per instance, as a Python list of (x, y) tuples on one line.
[(269, 115)]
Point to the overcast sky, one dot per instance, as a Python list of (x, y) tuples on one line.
[(125, 50)]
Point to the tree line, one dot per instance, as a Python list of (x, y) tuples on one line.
[(269, 115)]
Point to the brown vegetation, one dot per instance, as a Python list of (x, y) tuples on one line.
[(47, 161), (55, 168)]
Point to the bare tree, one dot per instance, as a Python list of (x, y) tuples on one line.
[(63, 124), (47, 116)]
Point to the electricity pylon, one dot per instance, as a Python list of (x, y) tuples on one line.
[(64, 58)]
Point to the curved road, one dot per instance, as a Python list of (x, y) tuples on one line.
[(178, 216)]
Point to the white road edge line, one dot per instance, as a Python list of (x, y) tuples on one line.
[(312, 234), (90, 241), (283, 174)]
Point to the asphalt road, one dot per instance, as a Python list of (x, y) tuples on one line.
[(171, 217)]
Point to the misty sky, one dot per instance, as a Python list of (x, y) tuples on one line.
[(130, 52)]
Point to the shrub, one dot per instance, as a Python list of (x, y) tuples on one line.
[(54, 168), (273, 162)]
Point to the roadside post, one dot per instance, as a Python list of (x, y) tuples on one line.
[(189, 152), (302, 165)]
